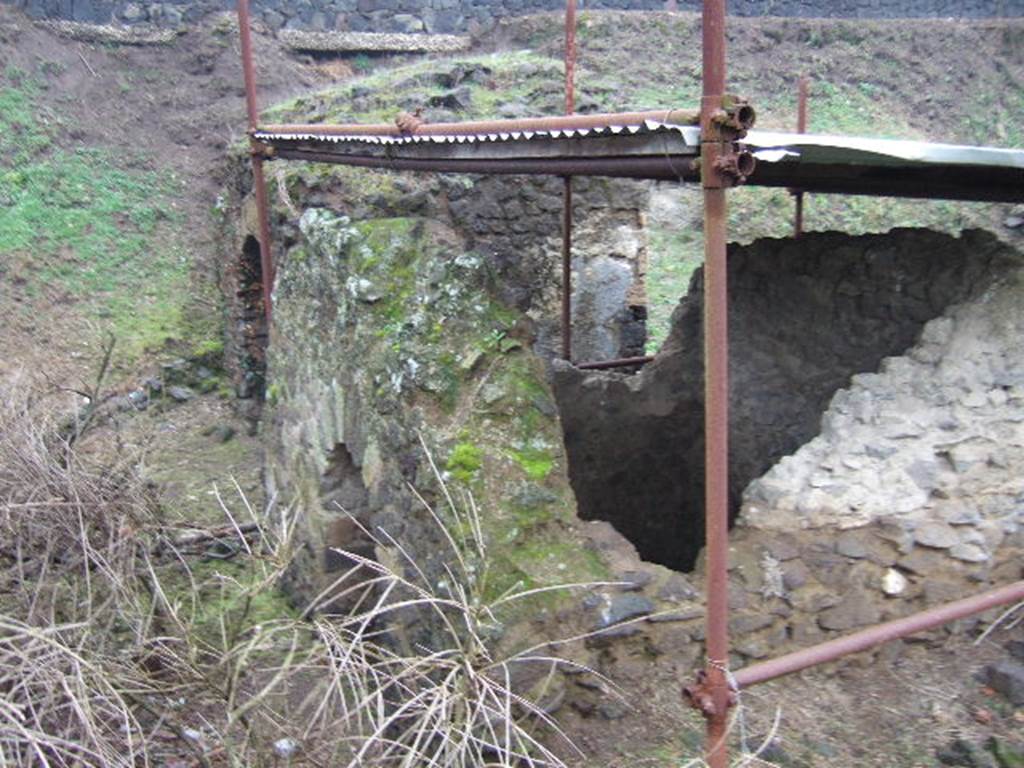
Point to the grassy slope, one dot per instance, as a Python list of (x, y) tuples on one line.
[(84, 227)]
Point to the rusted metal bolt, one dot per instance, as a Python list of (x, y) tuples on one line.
[(736, 114), (746, 116), (721, 118), (736, 165), (701, 698)]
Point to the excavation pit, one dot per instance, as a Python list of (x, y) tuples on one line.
[(805, 315)]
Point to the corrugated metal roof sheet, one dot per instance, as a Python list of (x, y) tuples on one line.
[(648, 148)]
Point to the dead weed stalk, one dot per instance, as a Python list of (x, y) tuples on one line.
[(120, 646)]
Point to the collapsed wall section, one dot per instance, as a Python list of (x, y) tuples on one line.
[(911, 496), (932, 444), (804, 317)]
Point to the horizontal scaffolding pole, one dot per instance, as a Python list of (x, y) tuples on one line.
[(473, 127), (992, 183), (668, 168), (872, 636)]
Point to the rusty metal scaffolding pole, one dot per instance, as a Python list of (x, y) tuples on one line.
[(801, 127), (471, 127), (668, 168), (716, 387), (570, 107), (567, 267), (880, 633), (258, 181)]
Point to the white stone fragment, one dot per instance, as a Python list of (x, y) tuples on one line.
[(974, 399), (894, 583), (286, 747), (969, 553)]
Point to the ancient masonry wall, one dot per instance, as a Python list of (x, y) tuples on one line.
[(422, 314), (931, 447), (457, 16), (911, 496), (898, 489)]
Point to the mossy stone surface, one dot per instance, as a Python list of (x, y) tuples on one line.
[(389, 341)]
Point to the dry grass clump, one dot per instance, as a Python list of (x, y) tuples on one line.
[(121, 645), (66, 559), (65, 527), (456, 703), (118, 646), (59, 706), (110, 34)]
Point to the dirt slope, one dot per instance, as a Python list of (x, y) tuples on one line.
[(115, 144)]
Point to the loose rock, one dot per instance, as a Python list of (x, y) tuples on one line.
[(936, 535), (622, 608), (180, 394), (894, 583), (1007, 677), (855, 610)]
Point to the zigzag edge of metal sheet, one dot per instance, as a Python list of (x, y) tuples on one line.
[(690, 134)]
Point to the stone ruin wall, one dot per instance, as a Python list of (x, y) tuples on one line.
[(461, 16), (427, 311), (877, 379), (913, 492), (518, 225), (805, 316)]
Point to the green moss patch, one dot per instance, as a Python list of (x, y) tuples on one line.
[(222, 599), (536, 462), (464, 462)]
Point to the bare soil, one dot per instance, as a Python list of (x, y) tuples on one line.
[(897, 707)]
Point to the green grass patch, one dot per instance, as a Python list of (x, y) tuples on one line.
[(675, 253), (80, 221), (23, 126), (379, 97)]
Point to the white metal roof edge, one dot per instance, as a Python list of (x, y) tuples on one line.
[(898, 149), (769, 146), (689, 134)]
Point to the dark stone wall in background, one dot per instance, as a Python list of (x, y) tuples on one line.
[(459, 16)]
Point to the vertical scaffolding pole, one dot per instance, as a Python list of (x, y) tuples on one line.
[(801, 127), (258, 181), (570, 56), (570, 107), (716, 386)]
